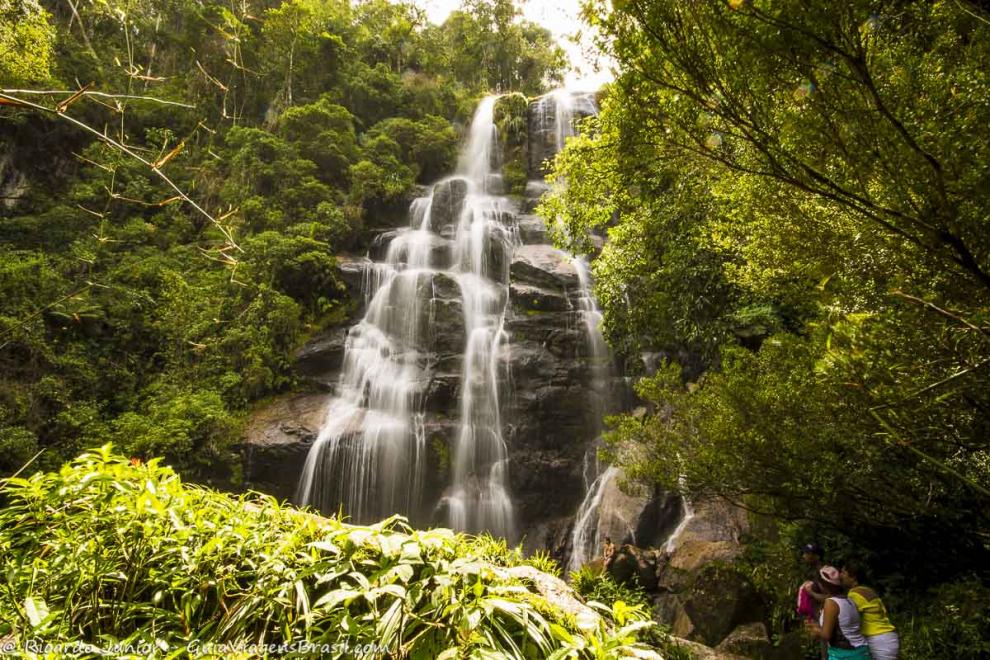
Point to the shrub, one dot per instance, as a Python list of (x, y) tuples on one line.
[(114, 553), (952, 624), (595, 585)]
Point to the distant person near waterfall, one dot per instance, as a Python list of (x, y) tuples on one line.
[(812, 593), (608, 553)]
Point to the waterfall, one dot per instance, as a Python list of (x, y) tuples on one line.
[(557, 111), (369, 457), (556, 114), (687, 514), (586, 535), (478, 499), (598, 351), (586, 540)]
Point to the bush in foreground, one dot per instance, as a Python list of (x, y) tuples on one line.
[(111, 555)]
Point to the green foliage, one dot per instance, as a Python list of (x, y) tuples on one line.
[(511, 120), (541, 560), (176, 425), (26, 38), (597, 585), (796, 209), (324, 134), (299, 267), (592, 583), (17, 447), (115, 552), (429, 144), (488, 47), (952, 622), (289, 123)]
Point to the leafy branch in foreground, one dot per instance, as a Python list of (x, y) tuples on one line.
[(112, 552)]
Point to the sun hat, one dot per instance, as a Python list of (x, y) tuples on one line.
[(831, 575)]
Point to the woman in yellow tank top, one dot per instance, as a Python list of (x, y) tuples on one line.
[(880, 633)]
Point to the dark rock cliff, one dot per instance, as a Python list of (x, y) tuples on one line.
[(550, 407)]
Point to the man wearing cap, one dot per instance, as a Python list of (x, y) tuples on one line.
[(812, 592)]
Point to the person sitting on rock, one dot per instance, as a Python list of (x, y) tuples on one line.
[(608, 553), (839, 624), (880, 633)]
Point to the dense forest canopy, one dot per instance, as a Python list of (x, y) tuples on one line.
[(796, 199), (167, 235)]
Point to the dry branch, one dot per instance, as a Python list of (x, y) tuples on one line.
[(120, 146)]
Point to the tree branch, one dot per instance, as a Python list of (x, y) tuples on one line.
[(130, 152)]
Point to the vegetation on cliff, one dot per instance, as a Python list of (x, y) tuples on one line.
[(154, 315), (797, 208)]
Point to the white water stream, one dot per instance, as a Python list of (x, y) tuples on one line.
[(369, 457)]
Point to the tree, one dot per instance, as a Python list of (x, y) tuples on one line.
[(513, 55), (796, 207), (26, 39)]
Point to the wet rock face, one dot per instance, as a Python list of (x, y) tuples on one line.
[(548, 419), (543, 265), (534, 298), (532, 230), (543, 132), (448, 202), (320, 360), (277, 439), (699, 595), (549, 409)]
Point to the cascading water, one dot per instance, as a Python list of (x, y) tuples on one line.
[(369, 457), (585, 536), (556, 115), (687, 514), (478, 499), (557, 111)]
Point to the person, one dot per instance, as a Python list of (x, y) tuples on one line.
[(608, 553), (880, 633), (838, 624), (811, 594)]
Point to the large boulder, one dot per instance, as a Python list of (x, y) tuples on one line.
[(716, 601), (556, 592), (622, 513), (549, 535), (397, 245), (535, 472), (532, 298), (448, 202), (320, 359), (749, 640), (444, 327), (637, 566), (532, 230), (352, 271), (701, 652), (543, 265), (699, 593), (715, 520)]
